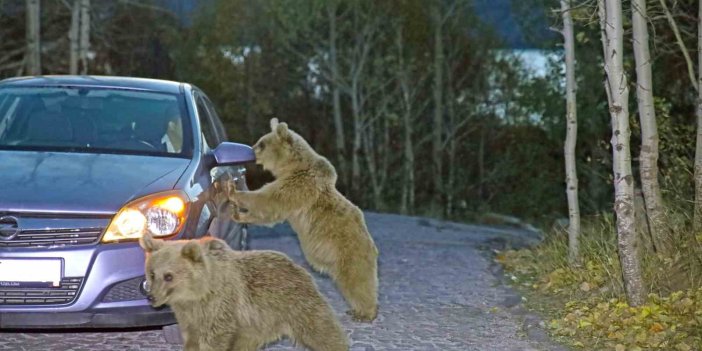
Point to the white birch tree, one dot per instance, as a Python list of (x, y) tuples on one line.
[(617, 88), (438, 116), (79, 37), (649, 130), (84, 35), (340, 142), (571, 134), (33, 53), (74, 38)]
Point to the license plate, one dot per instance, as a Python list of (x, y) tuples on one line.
[(30, 272)]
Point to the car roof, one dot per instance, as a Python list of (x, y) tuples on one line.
[(157, 85)]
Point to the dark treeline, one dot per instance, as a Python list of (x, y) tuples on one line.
[(417, 103)]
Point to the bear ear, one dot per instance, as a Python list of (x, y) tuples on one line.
[(214, 244), (149, 244), (282, 132), (192, 251), (274, 124)]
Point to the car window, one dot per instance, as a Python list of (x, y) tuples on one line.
[(206, 125), (94, 120), (216, 121), (8, 105)]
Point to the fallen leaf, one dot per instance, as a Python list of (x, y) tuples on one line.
[(656, 328)]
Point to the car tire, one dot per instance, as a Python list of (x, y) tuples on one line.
[(172, 334)]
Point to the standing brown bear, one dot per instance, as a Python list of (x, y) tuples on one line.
[(240, 301), (332, 231)]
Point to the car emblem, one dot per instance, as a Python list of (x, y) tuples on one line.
[(9, 227)]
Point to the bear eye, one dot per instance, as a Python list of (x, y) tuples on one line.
[(168, 277), (152, 275), (261, 145)]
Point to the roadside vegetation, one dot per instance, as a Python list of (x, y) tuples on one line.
[(585, 305)]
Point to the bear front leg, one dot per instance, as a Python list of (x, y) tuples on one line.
[(257, 207), (223, 341), (244, 342), (322, 333), (191, 340)]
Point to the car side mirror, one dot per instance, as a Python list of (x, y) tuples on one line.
[(230, 154)]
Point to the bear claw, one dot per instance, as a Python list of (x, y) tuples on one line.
[(360, 317)]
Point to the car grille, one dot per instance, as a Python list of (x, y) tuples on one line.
[(128, 290), (53, 237), (64, 294)]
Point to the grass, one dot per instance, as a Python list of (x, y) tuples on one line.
[(585, 304)]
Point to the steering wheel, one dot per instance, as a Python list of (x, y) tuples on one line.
[(144, 142), (133, 144)]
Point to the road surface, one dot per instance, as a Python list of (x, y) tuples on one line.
[(437, 292)]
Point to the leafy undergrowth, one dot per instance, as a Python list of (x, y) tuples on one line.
[(585, 305)]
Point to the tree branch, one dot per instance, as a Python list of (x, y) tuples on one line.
[(681, 44)]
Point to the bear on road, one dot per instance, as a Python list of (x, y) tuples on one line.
[(233, 300), (332, 231)]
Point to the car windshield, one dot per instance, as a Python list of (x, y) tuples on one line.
[(93, 120)]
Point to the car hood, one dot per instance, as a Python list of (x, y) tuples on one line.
[(98, 184)]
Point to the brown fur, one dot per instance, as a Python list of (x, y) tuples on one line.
[(332, 231), (233, 300)]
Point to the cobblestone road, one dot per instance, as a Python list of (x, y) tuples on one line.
[(437, 292)]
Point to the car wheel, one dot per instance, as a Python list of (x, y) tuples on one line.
[(172, 334)]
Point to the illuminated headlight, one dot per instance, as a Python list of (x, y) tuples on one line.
[(161, 214)]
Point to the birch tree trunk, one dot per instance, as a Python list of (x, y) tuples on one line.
[(438, 109), (481, 162), (408, 166), (249, 95), (610, 12), (336, 98), (74, 38), (697, 220), (360, 51), (571, 135), (369, 151), (452, 139), (649, 131), (33, 55), (407, 96), (84, 35), (450, 197), (356, 146)]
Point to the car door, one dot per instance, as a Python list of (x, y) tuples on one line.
[(222, 178)]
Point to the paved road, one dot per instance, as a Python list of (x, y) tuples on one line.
[(437, 292)]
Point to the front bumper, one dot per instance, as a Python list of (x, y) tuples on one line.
[(111, 318), (109, 295)]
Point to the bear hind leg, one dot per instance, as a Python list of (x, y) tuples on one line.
[(359, 286)]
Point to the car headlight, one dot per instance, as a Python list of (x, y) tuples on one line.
[(161, 214)]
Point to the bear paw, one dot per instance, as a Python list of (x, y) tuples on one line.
[(363, 317), (241, 215)]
